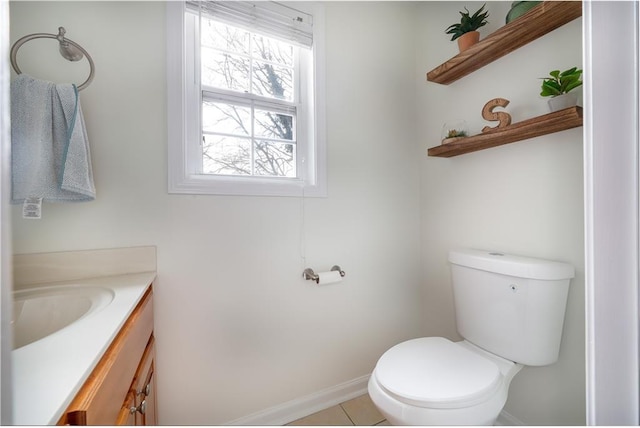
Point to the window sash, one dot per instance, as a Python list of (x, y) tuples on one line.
[(252, 135), (249, 82)]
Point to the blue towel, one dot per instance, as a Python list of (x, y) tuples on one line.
[(50, 149)]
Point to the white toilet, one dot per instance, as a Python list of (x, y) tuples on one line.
[(509, 310)]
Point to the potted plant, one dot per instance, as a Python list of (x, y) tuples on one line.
[(454, 131), (466, 31), (559, 87)]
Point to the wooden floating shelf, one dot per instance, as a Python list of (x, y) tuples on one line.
[(538, 21), (530, 128)]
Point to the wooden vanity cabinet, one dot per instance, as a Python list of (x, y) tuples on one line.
[(116, 392)]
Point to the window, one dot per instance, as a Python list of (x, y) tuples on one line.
[(246, 112)]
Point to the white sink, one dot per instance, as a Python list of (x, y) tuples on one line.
[(41, 312)]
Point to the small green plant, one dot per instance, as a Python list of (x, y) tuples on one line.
[(561, 82), (453, 133), (468, 23)]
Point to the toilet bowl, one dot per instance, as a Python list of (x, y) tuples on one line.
[(510, 312), (434, 381)]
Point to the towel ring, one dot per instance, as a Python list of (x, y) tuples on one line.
[(68, 49)]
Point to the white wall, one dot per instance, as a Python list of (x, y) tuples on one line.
[(237, 328), (525, 198)]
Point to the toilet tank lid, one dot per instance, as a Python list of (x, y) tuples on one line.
[(512, 265)]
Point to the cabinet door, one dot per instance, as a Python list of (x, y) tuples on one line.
[(150, 413), (144, 387)]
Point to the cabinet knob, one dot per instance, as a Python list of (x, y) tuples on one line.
[(145, 391), (142, 408)]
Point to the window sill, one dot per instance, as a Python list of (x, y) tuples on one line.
[(244, 186)]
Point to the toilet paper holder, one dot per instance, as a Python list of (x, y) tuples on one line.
[(308, 273)]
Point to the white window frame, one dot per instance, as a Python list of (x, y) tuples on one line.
[(183, 121)]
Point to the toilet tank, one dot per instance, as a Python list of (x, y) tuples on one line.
[(509, 305)]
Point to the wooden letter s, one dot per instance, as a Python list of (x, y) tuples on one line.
[(488, 114)]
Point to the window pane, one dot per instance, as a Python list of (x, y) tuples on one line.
[(221, 36), (226, 118), (272, 50), (274, 125), (275, 159), (226, 155), (223, 70), (272, 81)]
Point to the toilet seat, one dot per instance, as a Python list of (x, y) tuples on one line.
[(434, 372)]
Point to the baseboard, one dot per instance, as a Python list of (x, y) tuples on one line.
[(295, 409), (506, 419)]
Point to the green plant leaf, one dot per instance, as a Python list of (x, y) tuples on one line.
[(571, 71), (566, 81), (550, 88), (552, 84), (574, 85)]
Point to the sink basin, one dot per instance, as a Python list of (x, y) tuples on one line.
[(41, 312)]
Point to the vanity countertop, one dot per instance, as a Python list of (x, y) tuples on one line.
[(49, 372)]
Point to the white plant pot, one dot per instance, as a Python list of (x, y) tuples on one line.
[(563, 101)]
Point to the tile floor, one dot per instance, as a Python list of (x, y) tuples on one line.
[(358, 411)]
